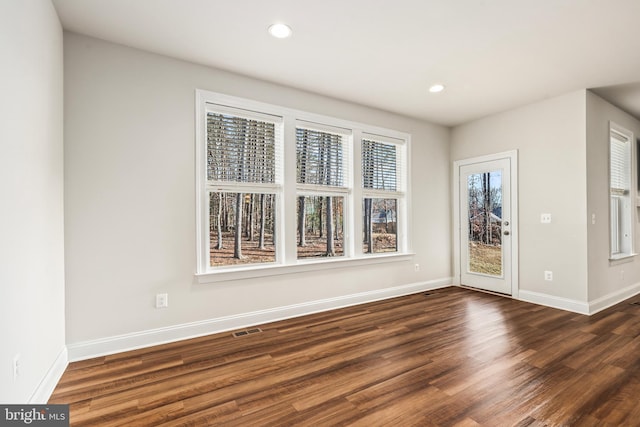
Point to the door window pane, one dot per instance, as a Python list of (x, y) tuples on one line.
[(485, 223)]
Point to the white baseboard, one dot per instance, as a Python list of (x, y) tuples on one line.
[(116, 344), (48, 384), (554, 301), (592, 307), (613, 298)]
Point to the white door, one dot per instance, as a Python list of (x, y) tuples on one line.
[(486, 225)]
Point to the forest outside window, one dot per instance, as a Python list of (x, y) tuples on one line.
[(256, 241), (320, 226), (276, 189)]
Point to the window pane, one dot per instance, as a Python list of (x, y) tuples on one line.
[(379, 165), (319, 158), (380, 232), (320, 226), (485, 223), (244, 238), (240, 150), (615, 202), (620, 164)]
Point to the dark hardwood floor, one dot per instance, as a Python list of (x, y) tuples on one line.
[(453, 357)]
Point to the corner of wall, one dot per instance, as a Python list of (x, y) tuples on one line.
[(50, 381)]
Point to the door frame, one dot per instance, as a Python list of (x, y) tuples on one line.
[(512, 156)]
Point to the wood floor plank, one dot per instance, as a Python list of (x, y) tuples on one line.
[(450, 357)]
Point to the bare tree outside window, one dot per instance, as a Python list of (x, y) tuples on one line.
[(485, 222), (323, 239), (257, 214)]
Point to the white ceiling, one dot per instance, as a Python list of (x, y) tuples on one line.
[(492, 55)]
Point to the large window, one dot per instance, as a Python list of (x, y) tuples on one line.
[(280, 188), (620, 191)]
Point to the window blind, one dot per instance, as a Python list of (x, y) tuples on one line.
[(320, 158), (240, 149), (379, 166), (620, 164)]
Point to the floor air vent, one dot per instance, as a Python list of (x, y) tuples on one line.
[(247, 332)]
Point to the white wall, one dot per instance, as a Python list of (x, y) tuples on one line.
[(550, 139), (31, 185), (130, 200), (608, 281)]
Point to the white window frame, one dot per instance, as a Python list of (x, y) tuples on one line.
[(399, 194), (287, 191), (621, 227), (343, 191)]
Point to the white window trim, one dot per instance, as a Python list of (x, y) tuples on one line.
[(627, 200), (287, 261)]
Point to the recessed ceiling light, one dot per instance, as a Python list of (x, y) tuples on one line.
[(280, 31), (436, 88)]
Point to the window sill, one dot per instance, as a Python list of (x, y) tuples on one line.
[(228, 274), (621, 258)]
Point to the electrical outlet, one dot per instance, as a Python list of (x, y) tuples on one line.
[(545, 218), (16, 366), (162, 300), (416, 267), (548, 275)]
